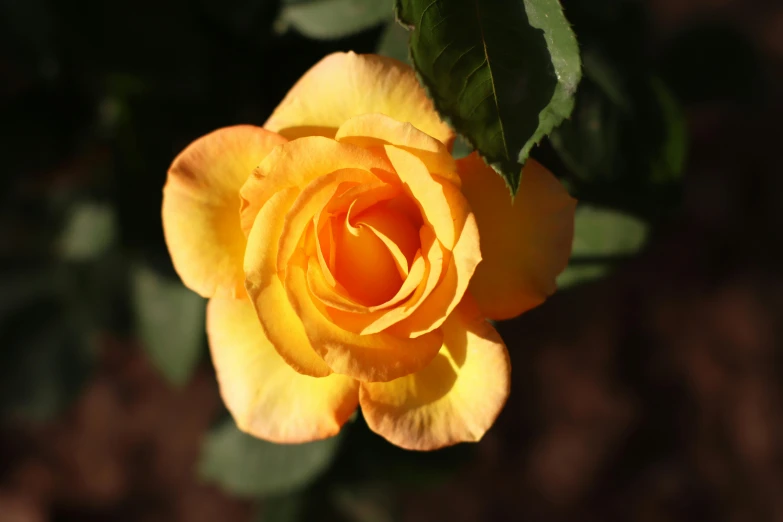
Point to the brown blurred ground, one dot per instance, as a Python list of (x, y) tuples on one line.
[(652, 396), (126, 451)]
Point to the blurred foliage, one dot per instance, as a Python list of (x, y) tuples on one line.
[(602, 238), (45, 360), (333, 19), (98, 97), (394, 42), (249, 467), (170, 321), (284, 508), (625, 145), (89, 232), (360, 488)]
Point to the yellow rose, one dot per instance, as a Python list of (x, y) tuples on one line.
[(340, 248)]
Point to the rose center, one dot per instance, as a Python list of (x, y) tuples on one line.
[(373, 251)]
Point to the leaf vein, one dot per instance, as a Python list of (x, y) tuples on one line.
[(489, 68), (461, 56), (421, 18), (475, 107), (434, 61)]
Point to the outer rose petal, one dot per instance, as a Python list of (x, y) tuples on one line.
[(344, 85), (201, 207), (524, 244), (267, 398), (455, 399)]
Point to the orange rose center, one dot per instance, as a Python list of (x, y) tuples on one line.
[(366, 242)]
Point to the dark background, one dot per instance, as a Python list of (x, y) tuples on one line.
[(653, 394)]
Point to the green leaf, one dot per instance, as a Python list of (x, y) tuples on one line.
[(89, 232), (502, 72), (602, 237), (249, 467), (671, 161), (579, 274), (333, 19), (600, 232), (170, 319)]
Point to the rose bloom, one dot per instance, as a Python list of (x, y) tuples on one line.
[(350, 260)]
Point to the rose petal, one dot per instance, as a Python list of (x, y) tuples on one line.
[(377, 357), (396, 231), (441, 203), (296, 164), (201, 207), (364, 266), (456, 398), (433, 310), (525, 245), (280, 323), (371, 319), (344, 85), (378, 319), (377, 130), (310, 201), (266, 397)]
